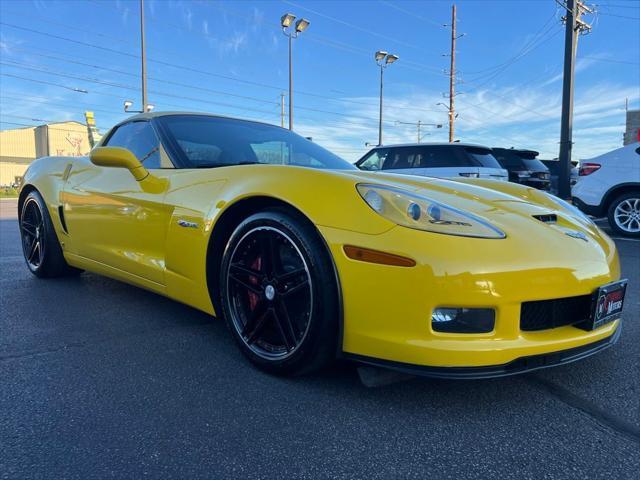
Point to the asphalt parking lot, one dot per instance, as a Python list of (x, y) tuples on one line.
[(103, 380)]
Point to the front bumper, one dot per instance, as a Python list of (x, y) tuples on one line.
[(387, 309), (519, 365), (592, 210)]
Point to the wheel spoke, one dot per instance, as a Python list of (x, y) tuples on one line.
[(254, 326), (245, 284), (29, 229), (286, 319), (32, 251), (296, 287), (269, 254), (285, 277), (281, 329), (246, 270)]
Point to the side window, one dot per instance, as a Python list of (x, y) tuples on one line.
[(140, 138), (441, 157), (271, 152), (375, 161), (402, 158)]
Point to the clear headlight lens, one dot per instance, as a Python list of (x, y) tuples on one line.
[(574, 211), (422, 213)]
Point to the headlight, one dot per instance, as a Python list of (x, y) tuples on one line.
[(564, 205), (422, 213)]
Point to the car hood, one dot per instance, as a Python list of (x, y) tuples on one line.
[(509, 206)]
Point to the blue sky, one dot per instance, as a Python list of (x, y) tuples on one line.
[(230, 57)]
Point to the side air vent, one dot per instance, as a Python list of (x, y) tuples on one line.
[(548, 218), (62, 221)]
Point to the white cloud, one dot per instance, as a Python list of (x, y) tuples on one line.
[(525, 117)]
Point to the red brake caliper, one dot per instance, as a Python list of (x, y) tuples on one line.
[(253, 298)]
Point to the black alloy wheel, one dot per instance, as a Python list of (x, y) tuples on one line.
[(278, 293), (33, 238), (40, 244)]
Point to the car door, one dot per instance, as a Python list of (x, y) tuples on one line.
[(112, 218)]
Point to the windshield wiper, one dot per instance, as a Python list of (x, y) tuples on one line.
[(216, 165)]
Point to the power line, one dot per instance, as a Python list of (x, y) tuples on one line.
[(351, 25), (627, 17), (524, 50), (610, 60), (410, 13), (204, 72)]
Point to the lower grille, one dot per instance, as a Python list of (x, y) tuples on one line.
[(545, 314)]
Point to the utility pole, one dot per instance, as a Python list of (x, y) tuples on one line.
[(419, 124), (573, 26), (143, 59), (452, 75), (282, 110)]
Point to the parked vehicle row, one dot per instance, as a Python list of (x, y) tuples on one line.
[(446, 160)]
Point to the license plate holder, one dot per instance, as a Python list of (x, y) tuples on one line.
[(607, 304)]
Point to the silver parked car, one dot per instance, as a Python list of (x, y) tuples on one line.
[(435, 160)]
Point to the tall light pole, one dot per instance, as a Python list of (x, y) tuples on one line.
[(143, 58), (301, 25), (383, 59)]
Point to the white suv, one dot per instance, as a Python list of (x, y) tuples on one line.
[(609, 185), (434, 160)]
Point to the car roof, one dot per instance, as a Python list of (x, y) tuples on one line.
[(518, 150), (435, 144), (150, 115)]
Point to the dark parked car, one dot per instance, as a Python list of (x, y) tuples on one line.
[(554, 169), (524, 167)]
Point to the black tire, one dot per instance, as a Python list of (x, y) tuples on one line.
[(277, 250), (40, 245), (627, 204)]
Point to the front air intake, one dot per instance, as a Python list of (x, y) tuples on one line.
[(547, 218)]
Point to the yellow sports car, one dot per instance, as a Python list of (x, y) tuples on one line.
[(309, 259)]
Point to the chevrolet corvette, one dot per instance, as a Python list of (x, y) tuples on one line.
[(308, 259)]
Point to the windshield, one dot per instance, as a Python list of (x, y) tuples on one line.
[(534, 165), (206, 142)]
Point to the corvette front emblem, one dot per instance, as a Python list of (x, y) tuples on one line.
[(576, 234)]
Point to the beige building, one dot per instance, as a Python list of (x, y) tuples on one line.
[(20, 146)]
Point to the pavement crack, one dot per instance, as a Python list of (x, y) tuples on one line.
[(600, 416)]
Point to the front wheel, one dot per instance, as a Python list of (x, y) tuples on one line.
[(279, 294), (624, 214), (40, 244)]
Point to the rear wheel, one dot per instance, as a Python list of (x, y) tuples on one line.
[(278, 293), (624, 214), (40, 244)]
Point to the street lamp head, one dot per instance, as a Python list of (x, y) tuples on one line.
[(391, 59), (287, 19), (380, 54), (127, 105), (301, 25), (150, 107)]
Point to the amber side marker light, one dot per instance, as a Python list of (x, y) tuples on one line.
[(375, 256)]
